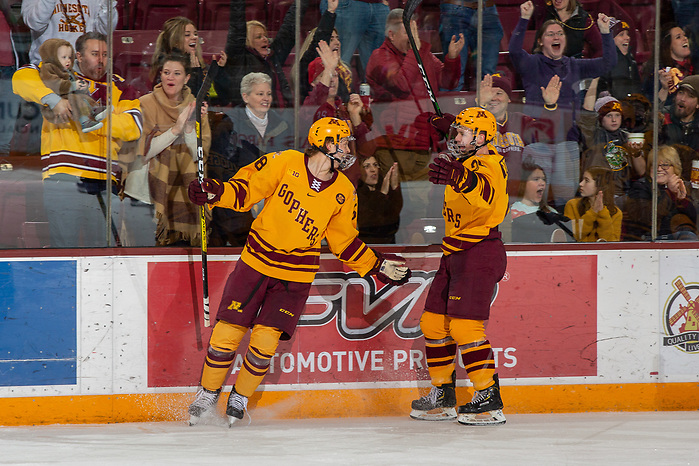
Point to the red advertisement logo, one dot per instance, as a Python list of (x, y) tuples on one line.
[(355, 329)]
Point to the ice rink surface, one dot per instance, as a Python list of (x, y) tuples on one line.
[(653, 438)]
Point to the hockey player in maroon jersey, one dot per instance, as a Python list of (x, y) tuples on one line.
[(307, 198), (474, 261)]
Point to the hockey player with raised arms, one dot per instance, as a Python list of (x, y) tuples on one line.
[(474, 261), (307, 198)]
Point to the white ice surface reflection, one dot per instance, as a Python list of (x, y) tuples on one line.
[(654, 438)]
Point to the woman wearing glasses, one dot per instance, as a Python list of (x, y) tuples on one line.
[(549, 59), (677, 217)]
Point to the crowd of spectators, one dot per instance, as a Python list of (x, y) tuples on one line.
[(572, 98)]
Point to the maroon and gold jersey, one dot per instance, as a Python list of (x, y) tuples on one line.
[(471, 217), (299, 211)]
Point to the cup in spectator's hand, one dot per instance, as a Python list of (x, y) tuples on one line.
[(636, 139)]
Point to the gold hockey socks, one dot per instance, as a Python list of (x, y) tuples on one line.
[(223, 343), (440, 348), (479, 363), (263, 344), (476, 352)]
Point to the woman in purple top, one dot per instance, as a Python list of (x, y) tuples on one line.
[(537, 70)]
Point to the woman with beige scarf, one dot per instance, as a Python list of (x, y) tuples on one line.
[(169, 147)]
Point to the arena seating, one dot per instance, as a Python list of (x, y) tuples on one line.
[(211, 16), (214, 14), (133, 51), (212, 43), (151, 14)]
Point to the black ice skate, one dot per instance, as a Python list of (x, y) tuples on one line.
[(237, 404), (485, 408), (202, 404), (438, 405)]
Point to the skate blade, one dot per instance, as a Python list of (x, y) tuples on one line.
[(439, 414), (194, 420), (232, 420), (488, 418)]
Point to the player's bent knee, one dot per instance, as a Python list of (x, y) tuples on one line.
[(226, 336), (467, 331), (265, 339), (434, 326)]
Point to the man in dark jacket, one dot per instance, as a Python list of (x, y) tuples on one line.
[(681, 125)]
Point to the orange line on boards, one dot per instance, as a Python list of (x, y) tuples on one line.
[(345, 403)]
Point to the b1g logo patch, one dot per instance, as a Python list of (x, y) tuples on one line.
[(340, 199), (681, 317)]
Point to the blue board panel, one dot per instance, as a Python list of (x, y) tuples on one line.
[(38, 338)]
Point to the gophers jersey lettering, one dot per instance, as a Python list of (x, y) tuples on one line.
[(284, 241), (471, 217)]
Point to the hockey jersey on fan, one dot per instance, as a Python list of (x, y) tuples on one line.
[(65, 149), (67, 19), (472, 217), (299, 211)]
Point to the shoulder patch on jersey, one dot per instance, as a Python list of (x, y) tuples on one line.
[(340, 198), (475, 164)]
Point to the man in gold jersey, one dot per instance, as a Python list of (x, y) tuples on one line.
[(307, 198), (474, 261)]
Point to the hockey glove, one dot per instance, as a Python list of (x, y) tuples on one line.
[(550, 218), (390, 269), (442, 123), (209, 191), (451, 172)]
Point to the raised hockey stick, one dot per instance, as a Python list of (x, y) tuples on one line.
[(410, 7), (201, 95)]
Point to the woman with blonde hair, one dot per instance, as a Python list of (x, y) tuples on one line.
[(249, 50), (677, 217), (180, 35), (595, 216)]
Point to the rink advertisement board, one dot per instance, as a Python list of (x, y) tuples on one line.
[(38, 314), (356, 330), (102, 338), (679, 312)]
